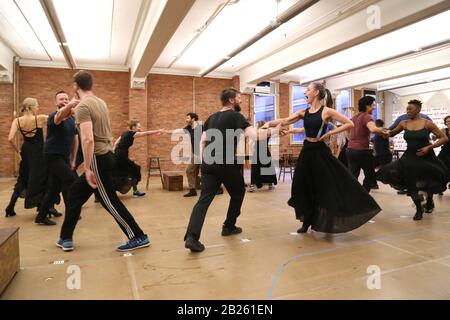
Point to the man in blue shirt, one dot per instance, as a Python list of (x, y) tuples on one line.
[(60, 151), (405, 117)]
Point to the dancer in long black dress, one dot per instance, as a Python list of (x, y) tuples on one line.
[(121, 147), (418, 169), (263, 171), (324, 194), (444, 155), (32, 172)]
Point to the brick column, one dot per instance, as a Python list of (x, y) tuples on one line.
[(138, 111)]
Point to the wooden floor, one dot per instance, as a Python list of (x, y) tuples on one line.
[(267, 261)]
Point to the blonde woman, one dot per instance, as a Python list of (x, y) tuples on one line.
[(32, 173)]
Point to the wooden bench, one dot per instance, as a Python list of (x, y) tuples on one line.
[(173, 181), (9, 256)]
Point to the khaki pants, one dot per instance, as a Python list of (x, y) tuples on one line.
[(192, 172)]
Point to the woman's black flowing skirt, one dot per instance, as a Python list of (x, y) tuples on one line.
[(326, 195), (415, 173), (32, 174), (263, 170)]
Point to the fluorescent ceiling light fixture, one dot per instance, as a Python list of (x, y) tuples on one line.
[(15, 29), (419, 35), (38, 20), (423, 88), (415, 79), (87, 26), (232, 27)]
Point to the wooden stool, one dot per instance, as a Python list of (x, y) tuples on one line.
[(173, 181), (285, 163), (155, 164), (9, 256)]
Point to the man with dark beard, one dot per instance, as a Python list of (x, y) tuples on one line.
[(218, 146)]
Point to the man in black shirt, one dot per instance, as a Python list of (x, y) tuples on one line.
[(383, 154), (121, 148), (194, 129), (60, 151), (218, 146)]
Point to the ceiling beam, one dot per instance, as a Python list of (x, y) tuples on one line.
[(354, 30), (52, 17), (162, 21), (419, 62), (423, 88)]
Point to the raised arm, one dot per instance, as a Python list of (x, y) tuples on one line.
[(399, 128), (117, 142), (149, 133), (293, 118), (66, 111)]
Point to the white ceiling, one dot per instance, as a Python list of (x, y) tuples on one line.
[(97, 32)]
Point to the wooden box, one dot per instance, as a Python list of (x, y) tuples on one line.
[(9, 256), (173, 181)]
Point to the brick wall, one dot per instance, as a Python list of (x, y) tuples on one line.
[(170, 98), (43, 83), (6, 112), (163, 104)]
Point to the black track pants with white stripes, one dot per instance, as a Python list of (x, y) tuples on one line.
[(80, 191)]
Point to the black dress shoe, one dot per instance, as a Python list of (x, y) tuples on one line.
[(230, 231), (54, 212), (303, 229), (9, 212), (45, 221), (429, 206), (191, 193), (194, 245)]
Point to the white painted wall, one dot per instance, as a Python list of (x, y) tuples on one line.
[(6, 60), (435, 104)]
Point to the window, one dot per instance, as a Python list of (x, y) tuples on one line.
[(344, 103), (298, 102), (265, 110)]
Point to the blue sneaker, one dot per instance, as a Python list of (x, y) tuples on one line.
[(66, 245), (135, 243), (138, 194)]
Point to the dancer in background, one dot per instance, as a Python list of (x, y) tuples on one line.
[(324, 194), (418, 169), (32, 171), (263, 172), (382, 147), (194, 129), (60, 149), (121, 148), (359, 155), (444, 155)]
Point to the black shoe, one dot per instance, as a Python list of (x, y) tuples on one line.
[(226, 231), (9, 212), (429, 206), (194, 245), (45, 221), (303, 229), (191, 193), (220, 191), (54, 212)]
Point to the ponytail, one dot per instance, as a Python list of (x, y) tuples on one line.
[(328, 99), (324, 94)]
